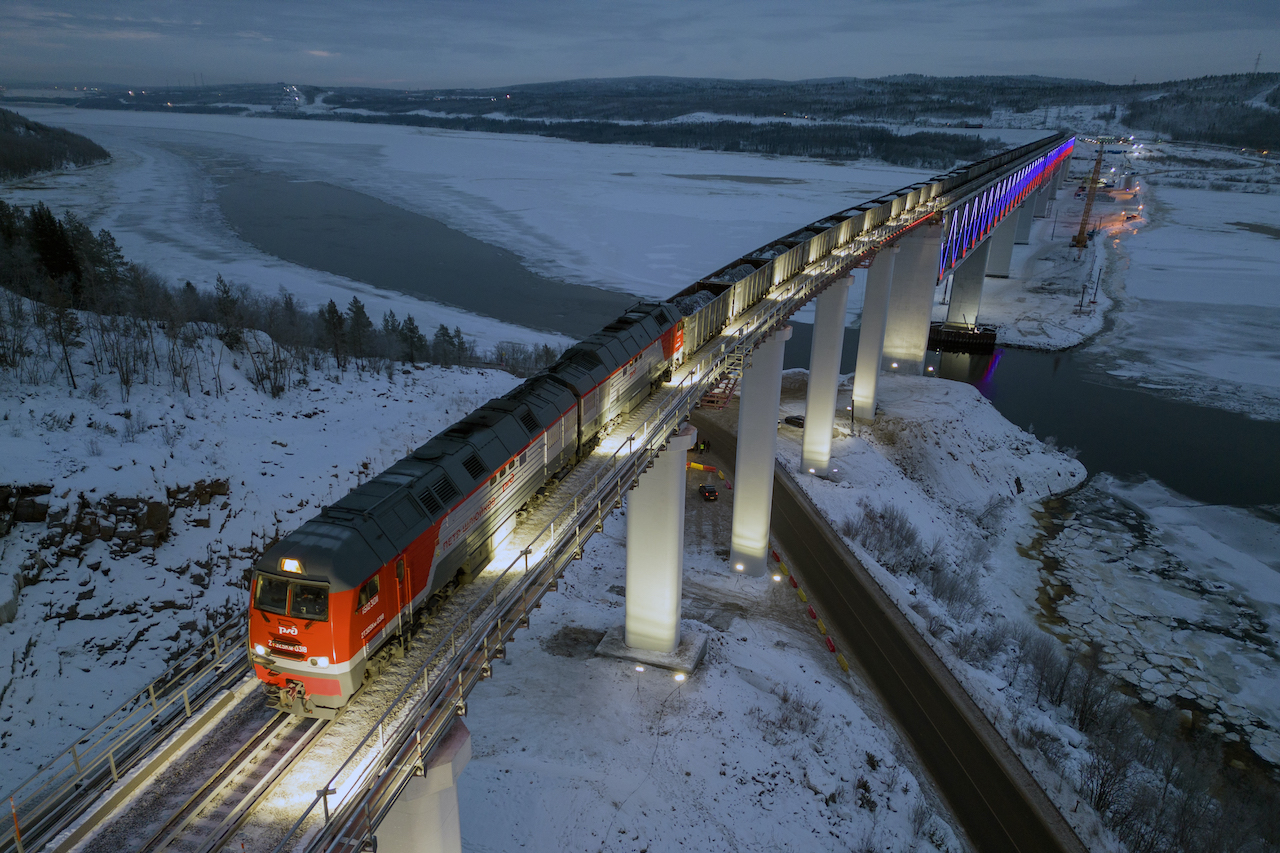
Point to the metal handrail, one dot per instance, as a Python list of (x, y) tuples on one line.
[(67, 785)]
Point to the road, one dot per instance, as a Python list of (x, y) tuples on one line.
[(997, 802)]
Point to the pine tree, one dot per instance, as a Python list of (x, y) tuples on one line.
[(415, 343), (334, 325), (359, 329)]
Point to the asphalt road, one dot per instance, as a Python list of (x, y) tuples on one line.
[(998, 803)]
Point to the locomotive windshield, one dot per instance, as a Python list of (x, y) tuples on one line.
[(292, 598)]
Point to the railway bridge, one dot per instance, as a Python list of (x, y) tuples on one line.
[(399, 778)]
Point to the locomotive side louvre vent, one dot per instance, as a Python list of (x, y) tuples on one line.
[(530, 422), (445, 490), (430, 502), (474, 466)]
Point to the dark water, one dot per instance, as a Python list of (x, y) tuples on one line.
[(1207, 454), (340, 231)]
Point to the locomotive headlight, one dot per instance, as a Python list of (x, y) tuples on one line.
[(321, 662), (260, 649), (288, 564)]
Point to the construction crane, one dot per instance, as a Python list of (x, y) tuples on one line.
[(1082, 239)]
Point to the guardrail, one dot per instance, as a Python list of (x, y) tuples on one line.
[(53, 797)]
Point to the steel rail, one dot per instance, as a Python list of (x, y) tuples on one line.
[(63, 789)]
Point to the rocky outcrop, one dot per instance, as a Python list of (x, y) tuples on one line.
[(127, 524)]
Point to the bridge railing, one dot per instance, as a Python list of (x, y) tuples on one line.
[(64, 787)]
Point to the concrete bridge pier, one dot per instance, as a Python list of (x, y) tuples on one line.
[(824, 377), (915, 277), (655, 549), (966, 288), (1000, 255), (424, 818), (1026, 216), (757, 447), (1042, 203), (875, 315)]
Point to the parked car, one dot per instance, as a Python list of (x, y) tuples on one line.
[(794, 420), (708, 492)]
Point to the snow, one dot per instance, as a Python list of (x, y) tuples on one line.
[(576, 752), (94, 629), (1201, 301)]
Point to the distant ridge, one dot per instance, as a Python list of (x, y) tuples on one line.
[(27, 147)]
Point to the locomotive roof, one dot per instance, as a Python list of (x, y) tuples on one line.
[(377, 520), (332, 551), (588, 363)]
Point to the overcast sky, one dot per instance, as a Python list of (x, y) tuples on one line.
[(447, 43)]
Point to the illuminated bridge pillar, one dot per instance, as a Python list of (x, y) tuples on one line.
[(824, 376), (424, 818), (757, 446), (655, 549), (915, 275), (1000, 255), (875, 314), (1026, 216), (966, 287)]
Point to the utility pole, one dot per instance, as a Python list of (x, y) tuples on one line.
[(1257, 62)]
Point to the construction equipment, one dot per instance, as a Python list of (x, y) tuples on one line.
[(1082, 239)]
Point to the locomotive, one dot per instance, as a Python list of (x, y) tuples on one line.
[(332, 601)]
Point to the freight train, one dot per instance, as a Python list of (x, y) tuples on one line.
[(334, 600)]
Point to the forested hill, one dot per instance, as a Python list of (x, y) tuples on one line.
[(27, 147)]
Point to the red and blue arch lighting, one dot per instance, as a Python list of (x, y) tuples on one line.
[(971, 224)]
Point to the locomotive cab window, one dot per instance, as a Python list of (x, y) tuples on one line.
[(272, 595), (367, 592), (309, 601)]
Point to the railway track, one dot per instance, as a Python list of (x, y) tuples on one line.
[(210, 816)]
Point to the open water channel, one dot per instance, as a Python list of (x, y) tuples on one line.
[(1210, 455)]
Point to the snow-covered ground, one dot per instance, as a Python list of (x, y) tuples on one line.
[(91, 629), (768, 745)]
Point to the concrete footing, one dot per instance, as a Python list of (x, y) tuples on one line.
[(685, 658), (424, 818)]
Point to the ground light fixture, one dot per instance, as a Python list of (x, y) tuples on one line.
[(739, 567), (679, 676), (639, 669), (777, 577)]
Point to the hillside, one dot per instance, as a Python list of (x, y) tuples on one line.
[(27, 147)]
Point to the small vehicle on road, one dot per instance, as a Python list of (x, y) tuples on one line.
[(794, 420), (708, 492)]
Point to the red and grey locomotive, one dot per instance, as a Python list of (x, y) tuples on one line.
[(330, 596)]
